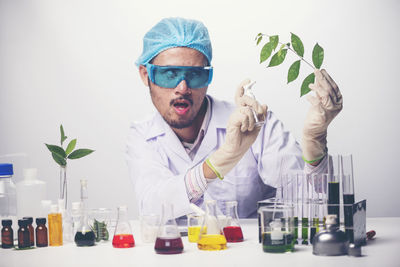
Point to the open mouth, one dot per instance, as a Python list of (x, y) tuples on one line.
[(181, 106)]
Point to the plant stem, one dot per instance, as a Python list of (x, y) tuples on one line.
[(292, 51)]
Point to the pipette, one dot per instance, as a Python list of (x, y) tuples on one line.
[(248, 92)]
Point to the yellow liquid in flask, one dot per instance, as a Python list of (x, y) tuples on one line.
[(212, 242)]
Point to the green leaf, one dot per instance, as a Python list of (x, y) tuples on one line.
[(265, 52), (297, 45), (317, 56), (274, 40), (57, 150), (258, 35), (278, 58), (71, 146), (304, 86), (63, 137), (259, 40), (79, 153), (293, 72), (60, 160)]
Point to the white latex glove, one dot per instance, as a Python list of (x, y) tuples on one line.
[(240, 133), (325, 105)]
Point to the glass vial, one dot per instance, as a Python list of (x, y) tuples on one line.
[(41, 232), (31, 230), (214, 238), (55, 227), (23, 234), (84, 235), (7, 234), (123, 237), (168, 240), (232, 231)]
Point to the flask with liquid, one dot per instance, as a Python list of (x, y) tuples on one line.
[(168, 240), (7, 234), (8, 199), (84, 235), (55, 227), (123, 237), (41, 232), (30, 193), (232, 230), (213, 239)]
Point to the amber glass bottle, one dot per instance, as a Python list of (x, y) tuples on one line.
[(31, 230), (41, 232), (7, 234), (23, 234)]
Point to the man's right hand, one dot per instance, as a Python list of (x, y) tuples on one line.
[(241, 133)]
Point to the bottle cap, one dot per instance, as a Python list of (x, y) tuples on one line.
[(29, 219), (6, 222), (40, 221), (54, 208), (22, 222), (6, 169), (30, 174)]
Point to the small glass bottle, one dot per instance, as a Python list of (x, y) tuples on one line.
[(233, 231), (7, 234), (84, 235), (55, 227), (168, 240), (123, 237), (214, 238), (31, 230), (23, 234), (41, 232)]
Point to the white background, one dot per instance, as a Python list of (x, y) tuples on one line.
[(70, 62)]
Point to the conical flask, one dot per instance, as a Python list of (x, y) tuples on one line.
[(123, 237), (214, 238), (168, 240), (232, 231), (84, 235)]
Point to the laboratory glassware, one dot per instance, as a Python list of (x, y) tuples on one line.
[(99, 221), (84, 235), (149, 224), (249, 92), (23, 234), (348, 194), (7, 234), (277, 228), (194, 226), (41, 232), (263, 203), (213, 239), (55, 226), (318, 203), (232, 230), (168, 239), (31, 230), (123, 237), (334, 195), (8, 198)]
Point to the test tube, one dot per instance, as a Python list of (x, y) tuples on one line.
[(305, 212), (348, 194), (333, 195)]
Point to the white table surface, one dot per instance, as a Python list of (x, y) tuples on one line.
[(384, 250)]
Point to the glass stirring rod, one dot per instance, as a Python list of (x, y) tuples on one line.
[(248, 92)]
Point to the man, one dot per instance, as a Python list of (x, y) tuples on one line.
[(193, 138)]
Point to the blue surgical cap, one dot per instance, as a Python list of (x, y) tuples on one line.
[(175, 32)]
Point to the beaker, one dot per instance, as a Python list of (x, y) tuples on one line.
[(213, 239), (195, 222), (100, 221), (168, 240), (232, 231), (277, 228), (84, 235), (123, 237), (149, 224)]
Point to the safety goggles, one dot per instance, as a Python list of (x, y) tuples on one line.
[(170, 76)]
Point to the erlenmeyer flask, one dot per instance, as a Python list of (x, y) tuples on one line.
[(168, 240), (232, 231), (84, 235), (123, 237), (213, 239)]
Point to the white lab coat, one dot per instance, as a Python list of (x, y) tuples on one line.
[(158, 163)]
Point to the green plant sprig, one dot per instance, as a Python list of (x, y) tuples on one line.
[(60, 155), (298, 49)]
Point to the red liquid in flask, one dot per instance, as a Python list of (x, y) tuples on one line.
[(233, 234), (123, 241), (168, 245)]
